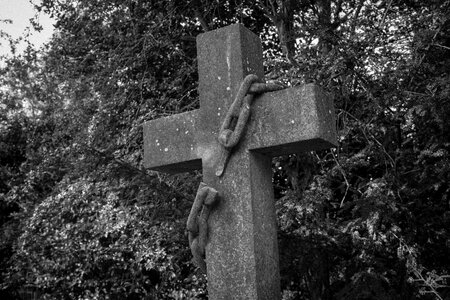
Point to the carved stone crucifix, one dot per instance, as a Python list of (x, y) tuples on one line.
[(242, 252)]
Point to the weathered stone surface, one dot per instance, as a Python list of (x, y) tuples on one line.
[(304, 122), (242, 254), (291, 121), (170, 144)]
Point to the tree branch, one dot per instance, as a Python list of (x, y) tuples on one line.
[(355, 17), (267, 12), (437, 45), (200, 18), (283, 21), (385, 14)]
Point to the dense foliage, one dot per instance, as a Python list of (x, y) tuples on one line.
[(82, 219)]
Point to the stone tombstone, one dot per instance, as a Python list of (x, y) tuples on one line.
[(242, 250)]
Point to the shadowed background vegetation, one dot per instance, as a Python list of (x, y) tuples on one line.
[(82, 219)]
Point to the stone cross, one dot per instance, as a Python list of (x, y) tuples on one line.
[(242, 251)]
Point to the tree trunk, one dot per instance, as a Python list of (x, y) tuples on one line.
[(285, 27), (325, 27), (320, 277)]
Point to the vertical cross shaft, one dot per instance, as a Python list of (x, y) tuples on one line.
[(242, 254)]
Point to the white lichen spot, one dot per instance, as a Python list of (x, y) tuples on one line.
[(329, 112), (218, 114), (178, 129), (228, 88), (186, 132), (292, 122), (218, 77), (166, 149)]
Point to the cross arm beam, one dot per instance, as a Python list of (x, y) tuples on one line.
[(170, 143), (291, 121)]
